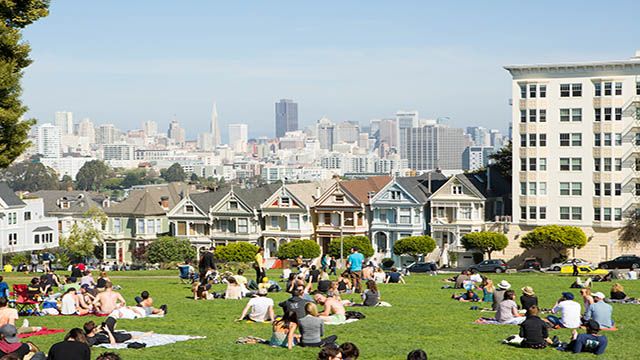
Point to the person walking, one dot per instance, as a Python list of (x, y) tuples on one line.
[(332, 266)]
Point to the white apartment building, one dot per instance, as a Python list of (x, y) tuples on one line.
[(66, 165), (48, 140), (64, 122), (576, 160), (238, 137), (118, 152)]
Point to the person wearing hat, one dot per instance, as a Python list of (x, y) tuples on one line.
[(261, 308), (528, 298), (570, 311), (10, 344), (590, 342), (600, 311), (498, 294)]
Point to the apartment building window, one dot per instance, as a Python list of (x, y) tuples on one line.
[(565, 139), (532, 90), (607, 114), (117, 226), (617, 213), (285, 202), (576, 114), (542, 164), (532, 115), (523, 188), (405, 216), (36, 238), (565, 115), (576, 89), (12, 218), (576, 139), (571, 188), (565, 189), (158, 226), (565, 213), (607, 139), (565, 90), (576, 213), (607, 189), (597, 164), (618, 139), (465, 212), (598, 89), (607, 164), (542, 188), (532, 212), (533, 188), (596, 214), (576, 164), (565, 164), (597, 139), (542, 115), (596, 189), (532, 140), (140, 226), (618, 88), (182, 227), (13, 239), (275, 222), (348, 218), (523, 164), (618, 164), (27, 215), (383, 215), (523, 140), (542, 212), (618, 113), (233, 204), (607, 214), (327, 218), (523, 212), (542, 89), (576, 188), (188, 209), (598, 114), (543, 140), (294, 222), (523, 91), (243, 225), (339, 198), (617, 189), (532, 164), (523, 115), (607, 88)]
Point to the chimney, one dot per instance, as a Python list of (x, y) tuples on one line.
[(164, 202), (488, 179), (429, 182)]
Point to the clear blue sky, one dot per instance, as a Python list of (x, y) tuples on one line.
[(125, 62)]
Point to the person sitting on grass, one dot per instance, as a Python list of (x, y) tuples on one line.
[(261, 308), (468, 296), (9, 316), (10, 345), (417, 354), (330, 352), (74, 347), (498, 295), (349, 351), (600, 311), (324, 284), (102, 280), (344, 283), (460, 280), (617, 292), (284, 331), (587, 299), (507, 312), (201, 291), (33, 290), (70, 304), (296, 303), (533, 332), (487, 290), (379, 276), (371, 296), (394, 277), (334, 312), (87, 279), (570, 312), (4, 288), (234, 290), (146, 302), (312, 328), (108, 300), (528, 298), (590, 342)]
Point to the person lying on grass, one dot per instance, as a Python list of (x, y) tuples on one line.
[(468, 296), (334, 312), (261, 308), (106, 334), (590, 342)]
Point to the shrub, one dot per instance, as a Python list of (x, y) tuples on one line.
[(233, 266), (361, 242), (485, 241), (167, 249), (239, 251), (19, 258), (414, 246), (555, 237), (309, 249)]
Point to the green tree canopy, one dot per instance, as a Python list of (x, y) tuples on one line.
[(555, 237), (414, 246), (14, 58), (167, 249), (92, 175), (485, 241), (504, 160), (173, 173), (238, 252), (30, 176), (361, 242), (309, 249), (630, 233), (83, 237)]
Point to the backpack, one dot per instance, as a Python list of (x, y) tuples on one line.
[(354, 315)]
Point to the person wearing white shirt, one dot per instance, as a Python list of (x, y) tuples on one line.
[(261, 308), (570, 311)]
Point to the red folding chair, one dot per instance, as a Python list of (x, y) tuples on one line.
[(22, 301)]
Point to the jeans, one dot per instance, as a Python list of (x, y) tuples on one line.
[(555, 320)]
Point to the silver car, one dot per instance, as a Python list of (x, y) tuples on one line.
[(569, 262)]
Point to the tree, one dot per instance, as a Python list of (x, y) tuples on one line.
[(558, 238), (309, 249), (29, 176), (83, 237), (14, 57), (167, 249), (414, 246), (630, 232), (485, 241), (92, 175), (361, 242), (194, 178), (66, 182), (173, 173), (504, 160), (239, 252), (134, 177)]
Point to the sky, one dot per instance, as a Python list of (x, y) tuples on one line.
[(126, 62)]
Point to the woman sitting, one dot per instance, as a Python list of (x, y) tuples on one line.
[(102, 280), (70, 304), (468, 296), (617, 292), (507, 312), (344, 284), (201, 291), (284, 331), (587, 299), (528, 298), (379, 276), (487, 290), (312, 328), (234, 290), (371, 296)]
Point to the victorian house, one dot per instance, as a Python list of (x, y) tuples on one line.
[(70, 207)]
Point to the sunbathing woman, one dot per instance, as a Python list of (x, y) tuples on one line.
[(284, 331), (71, 304)]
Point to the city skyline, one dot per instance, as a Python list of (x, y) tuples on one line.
[(419, 65)]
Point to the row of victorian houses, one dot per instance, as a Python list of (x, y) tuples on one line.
[(382, 208)]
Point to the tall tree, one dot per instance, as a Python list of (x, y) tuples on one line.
[(85, 235), (29, 176), (504, 160), (14, 57), (173, 173), (92, 175)]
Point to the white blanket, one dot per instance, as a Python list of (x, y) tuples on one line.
[(153, 340)]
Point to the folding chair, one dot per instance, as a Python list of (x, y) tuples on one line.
[(185, 275), (22, 301)]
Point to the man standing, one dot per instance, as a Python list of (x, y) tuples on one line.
[(354, 264), (35, 260), (205, 264), (261, 270), (332, 266)]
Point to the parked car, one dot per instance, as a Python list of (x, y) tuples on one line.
[(560, 265), (583, 270), (494, 265), (622, 262), (419, 267), (530, 264)]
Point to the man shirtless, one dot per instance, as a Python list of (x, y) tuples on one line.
[(146, 302), (333, 312), (108, 300)]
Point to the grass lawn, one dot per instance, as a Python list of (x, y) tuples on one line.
[(422, 316)]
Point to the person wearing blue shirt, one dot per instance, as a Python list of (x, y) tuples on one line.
[(354, 264), (600, 311), (590, 342), (4, 288)]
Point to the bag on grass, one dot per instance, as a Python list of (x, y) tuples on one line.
[(354, 315)]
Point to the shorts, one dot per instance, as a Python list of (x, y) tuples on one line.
[(337, 319), (148, 310)]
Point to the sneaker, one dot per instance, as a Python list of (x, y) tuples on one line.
[(164, 308)]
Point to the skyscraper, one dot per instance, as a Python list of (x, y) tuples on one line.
[(215, 128), (48, 140), (325, 133), (238, 137), (434, 147), (286, 117), (64, 122), (176, 133), (405, 120), (86, 129), (150, 128), (106, 134)]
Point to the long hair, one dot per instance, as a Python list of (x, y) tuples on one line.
[(617, 287), (371, 285), (77, 335), (311, 309)]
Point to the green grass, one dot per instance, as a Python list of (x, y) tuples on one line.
[(422, 316)]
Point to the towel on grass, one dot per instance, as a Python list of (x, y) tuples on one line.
[(43, 331), (348, 321), (152, 340)]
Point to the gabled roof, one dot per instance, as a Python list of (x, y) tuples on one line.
[(146, 201), (499, 186), (418, 186), (462, 179), (208, 199), (256, 196), (361, 189), (79, 201), (9, 197), (306, 192)]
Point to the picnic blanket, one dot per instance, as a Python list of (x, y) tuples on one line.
[(43, 331), (152, 340), (348, 321), (487, 321)]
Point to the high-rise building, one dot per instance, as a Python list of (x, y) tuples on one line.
[(575, 155), (118, 152), (48, 136), (434, 147), (346, 132), (64, 122), (238, 137), (325, 133), (286, 117), (87, 130), (388, 133), (214, 128), (405, 120), (476, 157), (150, 128), (176, 133), (106, 134), (205, 142), (497, 139), (479, 135)]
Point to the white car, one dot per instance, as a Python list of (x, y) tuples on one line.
[(569, 262)]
